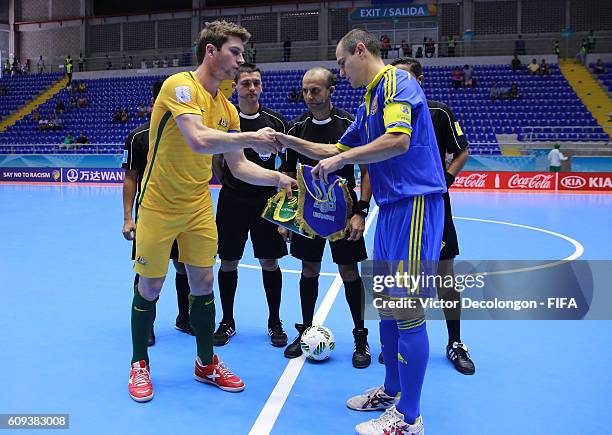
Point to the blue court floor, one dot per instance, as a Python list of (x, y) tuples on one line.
[(66, 289)]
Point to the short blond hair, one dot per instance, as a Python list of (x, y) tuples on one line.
[(217, 33)]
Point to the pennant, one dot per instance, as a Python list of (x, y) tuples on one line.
[(324, 208), (283, 211)]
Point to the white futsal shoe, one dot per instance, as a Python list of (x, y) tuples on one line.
[(391, 422), (374, 399)]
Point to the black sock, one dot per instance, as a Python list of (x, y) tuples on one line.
[(228, 281), (309, 290), (273, 283), (452, 315), (182, 295), (354, 293)]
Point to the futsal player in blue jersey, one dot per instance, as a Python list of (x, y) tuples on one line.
[(394, 135)]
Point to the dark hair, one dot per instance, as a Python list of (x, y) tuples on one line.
[(156, 88), (217, 33), (351, 39), (330, 77), (415, 65), (246, 68)]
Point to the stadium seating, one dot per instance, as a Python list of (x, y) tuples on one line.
[(548, 109), (22, 88), (605, 78)]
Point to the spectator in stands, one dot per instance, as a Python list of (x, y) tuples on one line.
[(544, 68), (251, 53), (519, 46), (175, 61), (73, 102), (419, 52), (109, 64), (495, 92), (591, 42), (6, 69), (599, 67), (68, 140), (430, 48), (287, 50), (406, 49), (82, 102), (451, 44), (41, 65), (533, 67), (16, 68), (555, 157), (43, 124), (155, 62), (582, 53), (56, 123), (82, 87), (82, 139), (468, 76), (556, 48), (124, 116), (165, 62), (130, 62), (141, 110), (36, 115), (516, 64), (293, 96), (143, 63), (81, 62), (457, 77), (123, 62), (514, 92), (385, 46), (60, 107), (117, 115)]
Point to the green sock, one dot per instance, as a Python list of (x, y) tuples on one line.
[(202, 317), (143, 316)]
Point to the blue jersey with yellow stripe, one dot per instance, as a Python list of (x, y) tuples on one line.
[(395, 103)]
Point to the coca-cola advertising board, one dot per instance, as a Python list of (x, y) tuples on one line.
[(534, 181)]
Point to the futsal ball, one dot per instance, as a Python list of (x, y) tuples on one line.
[(317, 343)]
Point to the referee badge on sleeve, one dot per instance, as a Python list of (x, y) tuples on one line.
[(183, 94)]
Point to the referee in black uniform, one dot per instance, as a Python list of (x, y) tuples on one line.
[(239, 214), (451, 140), (324, 123), (135, 153)]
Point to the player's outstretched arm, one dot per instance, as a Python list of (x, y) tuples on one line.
[(204, 140), (313, 150), (252, 173), (384, 147)]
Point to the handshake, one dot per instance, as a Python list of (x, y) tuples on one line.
[(267, 141)]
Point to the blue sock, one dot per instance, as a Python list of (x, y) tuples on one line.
[(413, 349), (388, 340)]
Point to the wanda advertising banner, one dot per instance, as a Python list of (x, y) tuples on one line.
[(534, 181)]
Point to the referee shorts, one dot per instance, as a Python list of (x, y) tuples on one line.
[(239, 216), (195, 233), (450, 247)]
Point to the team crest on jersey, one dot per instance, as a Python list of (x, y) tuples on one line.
[(183, 94), (223, 123), (374, 107), (142, 260)]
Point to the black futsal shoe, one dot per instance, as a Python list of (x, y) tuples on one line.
[(278, 336), (183, 325), (458, 354), (223, 333), (294, 349), (361, 354)]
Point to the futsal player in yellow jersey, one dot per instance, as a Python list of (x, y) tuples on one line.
[(191, 121)]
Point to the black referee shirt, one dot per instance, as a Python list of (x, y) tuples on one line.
[(451, 139), (135, 151), (263, 118), (329, 130)]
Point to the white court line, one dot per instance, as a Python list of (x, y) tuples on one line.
[(268, 415), (578, 248)]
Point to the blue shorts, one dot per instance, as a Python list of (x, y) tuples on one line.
[(408, 240)]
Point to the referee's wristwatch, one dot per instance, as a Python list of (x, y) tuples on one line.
[(361, 208)]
